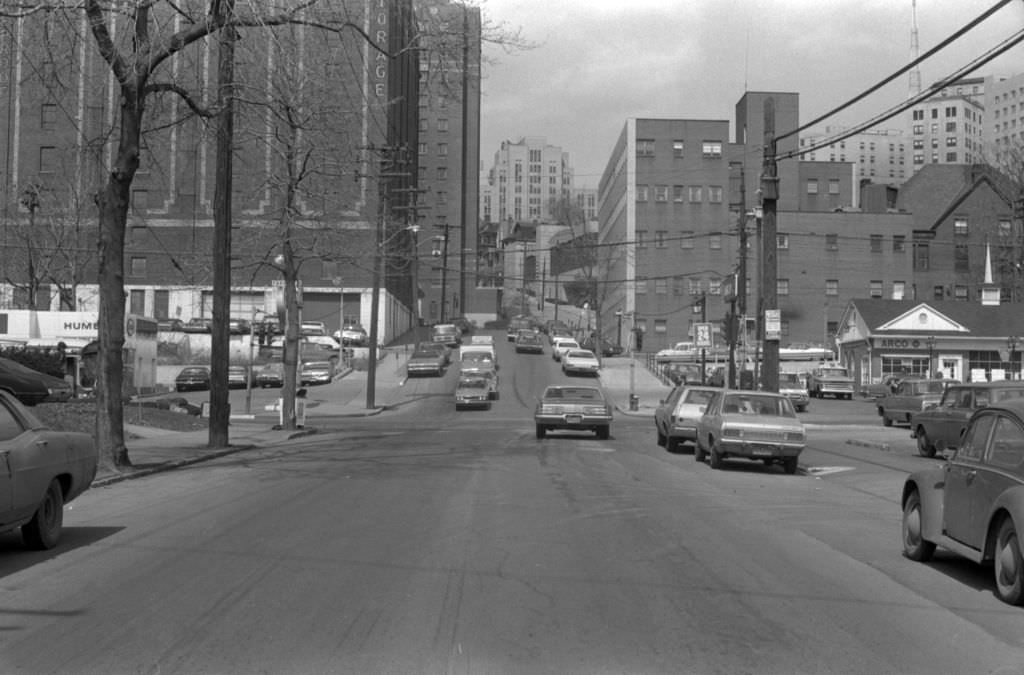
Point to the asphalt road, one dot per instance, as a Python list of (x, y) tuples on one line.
[(429, 541)]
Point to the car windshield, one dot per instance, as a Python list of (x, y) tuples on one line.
[(477, 356), (754, 404), (478, 383), (786, 378)]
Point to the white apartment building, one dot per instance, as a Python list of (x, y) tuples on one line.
[(879, 155)]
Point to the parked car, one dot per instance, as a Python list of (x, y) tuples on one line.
[(972, 504), (352, 335), (464, 325), (473, 391), (27, 385), (197, 325), (270, 375), (561, 345), (519, 323), (44, 470), (446, 334), (756, 425), (424, 362), (192, 378), (607, 348), (717, 376), (886, 385), (238, 377), (312, 328), (830, 381), (239, 326), (911, 397), (683, 373), (941, 426), (529, 343), (61, 390), (444, 350), (573, 408), (676, 417), (169, 325), (680, 350), (580, 362), (792, 386), (316, 372)]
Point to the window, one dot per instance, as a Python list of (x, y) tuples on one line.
[(137, 301), (677, 148), (832, 287), (423, 148), (715, 194), (645, 147), (833, 187), (715, 287), (641, 239), (140, 200), (782, 287), (951, 127), (661, 286), (677, 193), (951, 157), (48, 116), (659, 238), (678, 285), (715, 242), (641, 193), (876, 243), (686, 239), (442, 173), (812, 186), (921, 256), (442, 149), (782, 241), (939, 292), (661, 193), (695, 193), (875, 288), (47, 159), (711, 149), (899, 243), (137, 266), (693, 286), (1005, 228), (960, 292), (961, 259), (1007, 446), (641, 285), (899, 289), (831, 242), (660, 326), (960, 227)]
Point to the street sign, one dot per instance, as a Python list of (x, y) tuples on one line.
[(772, 324), (703, 335)]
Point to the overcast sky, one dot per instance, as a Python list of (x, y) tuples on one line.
[(596, 63)]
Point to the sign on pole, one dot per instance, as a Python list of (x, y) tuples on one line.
[(772, 324), (702, 335)]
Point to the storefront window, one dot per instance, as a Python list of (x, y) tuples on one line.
[(905, 365), (979, 360)]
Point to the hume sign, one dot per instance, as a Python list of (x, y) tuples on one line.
[(27, 324)]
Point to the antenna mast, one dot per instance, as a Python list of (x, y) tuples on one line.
[(915, 52)]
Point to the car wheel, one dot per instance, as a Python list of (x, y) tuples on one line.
[(1009, 567), (672, 444), (789, 465), (698, 452), (540, 431), (661, 438), (924, 446), (43, 531), (603, 433), (886, 421), (716, 457), (914, 546)]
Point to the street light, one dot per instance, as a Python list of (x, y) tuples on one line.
[(930, 341), (1011, 343)]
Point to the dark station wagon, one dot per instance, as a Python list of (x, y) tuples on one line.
[(941, 426)]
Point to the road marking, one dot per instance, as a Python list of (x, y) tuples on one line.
[(825, 470)]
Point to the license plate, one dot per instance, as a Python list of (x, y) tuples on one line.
[(762, 451), (574, 419)]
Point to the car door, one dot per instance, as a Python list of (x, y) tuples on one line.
[(26, 466), (951, 416), (1000, 470), (962, 486)]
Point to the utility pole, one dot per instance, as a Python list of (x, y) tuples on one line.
[(769, 245), (444, 270), (463, 207), (703, 350)]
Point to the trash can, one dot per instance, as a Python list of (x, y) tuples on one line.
[(634, 402)]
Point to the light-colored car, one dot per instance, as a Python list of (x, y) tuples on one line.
[(676, 417), (444, 350), (312, 328), (425, 362), (447, 334), (941, 426), (573, 408), (792, 386), (44, 470), (756, 425), (352, 335), (559, 346), (678, 352), (973, 504), (238, 377), (473, 391), (830, 380), (580, 362), (316, 372)]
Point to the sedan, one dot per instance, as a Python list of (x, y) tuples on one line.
[(270, 375), (574, 409), (44, 470), (676, 417), (972, 504), (529, 343), (439, 347), (238, 377), (580, 362), (26, 384), (473, 391), (193, 378), (560, 345), (755, 425), (941, 426), (316, 372), (423, 362)]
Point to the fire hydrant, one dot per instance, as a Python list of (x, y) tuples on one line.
[(634, 402)]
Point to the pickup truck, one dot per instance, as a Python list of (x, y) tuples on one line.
[(910, 398), (830, 381)]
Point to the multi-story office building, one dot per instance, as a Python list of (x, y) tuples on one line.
[(1004, 118), (948, 128), (526, 178), (878, 155), (359, 180)]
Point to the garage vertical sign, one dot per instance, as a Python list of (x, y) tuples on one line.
[(379, 31)]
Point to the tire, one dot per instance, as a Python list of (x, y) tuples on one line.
[(716, 458), (698, 452), (1009, 566), (603, 433), (925, 447), (886, 421), (672, 444), (43, 531), (789, 465), (540, 431), (914, 547), (662, 440)]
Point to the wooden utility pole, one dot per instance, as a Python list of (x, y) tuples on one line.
[(220, 356), (769, 260)]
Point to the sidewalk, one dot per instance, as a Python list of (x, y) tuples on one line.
[(154, 450)]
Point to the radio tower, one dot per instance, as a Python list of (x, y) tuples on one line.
[(915, 51)]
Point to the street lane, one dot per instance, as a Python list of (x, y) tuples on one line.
[(425, 540)]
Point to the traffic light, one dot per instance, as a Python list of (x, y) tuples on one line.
[(729, 328)]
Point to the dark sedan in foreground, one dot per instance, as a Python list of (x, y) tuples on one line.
[(44, 469), (972, 505), (572, 408)]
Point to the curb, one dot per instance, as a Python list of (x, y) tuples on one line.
[(870, 444)]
